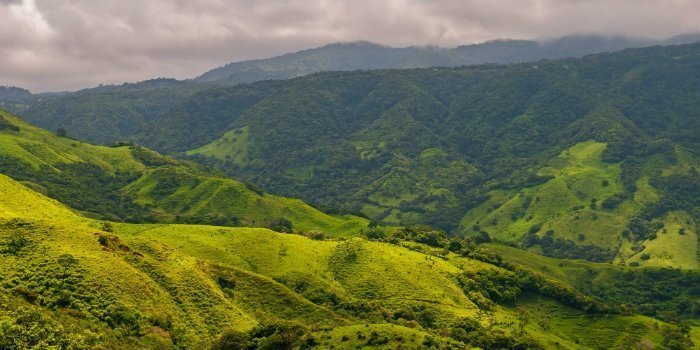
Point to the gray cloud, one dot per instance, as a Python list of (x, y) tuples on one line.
[(61, 44)]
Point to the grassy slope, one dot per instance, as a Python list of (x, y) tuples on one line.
[(168, 275), (233, 145), (201, 192), (563, 204)]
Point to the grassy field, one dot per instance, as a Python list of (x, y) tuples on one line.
[(157, 285)]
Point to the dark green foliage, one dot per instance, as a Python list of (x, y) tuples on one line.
[(614, 201), (507, 286), (27, 328), (664, 293), (277, 336), (280, 225), (357, 139), (375, 234), (83, 186), (567, 249), (149, 157), (677, 338), (504, 120), (5, 125), (255, 188), (232, 340), (534, 229), (109, 113)]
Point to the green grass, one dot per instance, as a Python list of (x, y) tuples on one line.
[(232, 146), (163, 187), (578, 177), (38, 147), (169, 279), (565, 328), (186, 284), (563, 205), (670, 248), (358, 337)]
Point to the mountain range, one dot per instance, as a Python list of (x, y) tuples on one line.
[(71, 279), (506, 203)]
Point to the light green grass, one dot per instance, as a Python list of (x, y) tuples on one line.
[(232, 146), (197, 192), (578, 177), (171, 276), (40, 147)]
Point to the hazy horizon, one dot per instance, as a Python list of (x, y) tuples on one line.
[(61, 46)]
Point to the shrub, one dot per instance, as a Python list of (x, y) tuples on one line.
[(375, 234), (280, 225), (232, 340), (316, 235), (107, 227), (534, 229), (17, 242)]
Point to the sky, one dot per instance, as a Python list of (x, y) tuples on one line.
[(58, 45)]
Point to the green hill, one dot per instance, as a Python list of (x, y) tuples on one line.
[(443, 146), (582, 212), (365, 55), (132, 183), (427, 145), (65, 282), (110, 113)]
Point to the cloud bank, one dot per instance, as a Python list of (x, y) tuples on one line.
[(53, 45)]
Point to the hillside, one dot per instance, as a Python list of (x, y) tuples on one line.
[(132, 183), (365, 56), (66, 282), (431, 145), (107, 114), (471, 149)]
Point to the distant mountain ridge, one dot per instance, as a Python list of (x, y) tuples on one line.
[(363, 55), (110, 113)]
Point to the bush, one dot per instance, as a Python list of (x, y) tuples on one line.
[(375, 234), (280, 225), (534, 229), (613, 201), (107, 227), (232, 340), (316, 235)]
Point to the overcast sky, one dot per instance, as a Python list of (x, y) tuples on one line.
[(52, 45)]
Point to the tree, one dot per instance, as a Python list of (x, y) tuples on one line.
[(67, 261), (231, 340), (61, 132)]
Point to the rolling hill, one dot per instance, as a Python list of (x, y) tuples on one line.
[(132, 183), (472, 149), (433, 145), (563, 196), (67, 283)]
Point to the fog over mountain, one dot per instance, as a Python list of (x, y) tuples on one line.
[(60, 45)]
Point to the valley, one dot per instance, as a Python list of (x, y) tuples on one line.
[(540, 196)]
